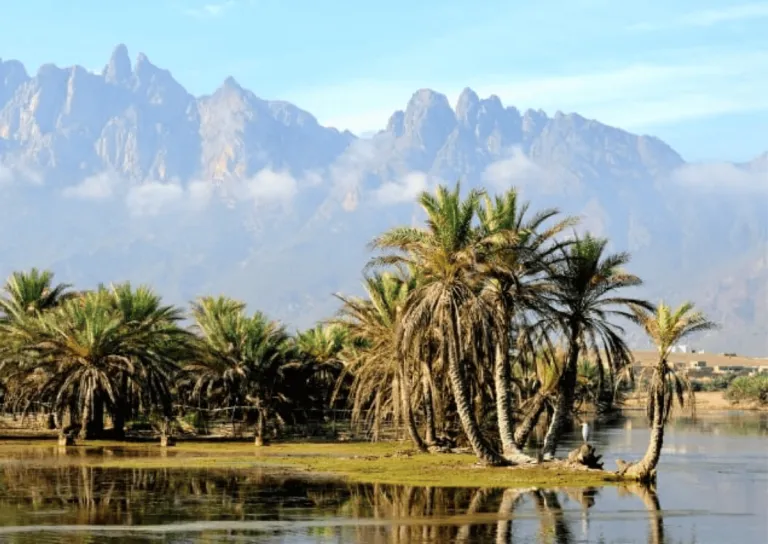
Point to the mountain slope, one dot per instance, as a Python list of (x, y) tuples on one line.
[(125, 175)]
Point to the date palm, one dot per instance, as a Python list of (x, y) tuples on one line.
[(240, 360), (75, 353), (380, 373), (319, 364), (449, 256), (587, 283), (30, 292), (665, 327), (147, 386), (521, 248)]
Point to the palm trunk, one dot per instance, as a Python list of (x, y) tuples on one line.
[(524, 429), (461, 396), (645, 469), (564, 406), (429, 406), (410, 420), (96, 424), (85, 417), (502, 379), (260, 426)]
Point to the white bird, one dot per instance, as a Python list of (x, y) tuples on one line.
[(585, 432)]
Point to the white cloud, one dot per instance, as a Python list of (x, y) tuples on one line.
[(721, 177), (517, 170), (99, 187), (684, 85), (212, 9), (153, 197), (711, 17), (269, 187), (406, 189)]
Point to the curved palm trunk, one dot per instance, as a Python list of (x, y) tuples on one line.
[(462, 397), (564, 406), (410, 420), (502, 377), (645, 469), (524, 429)]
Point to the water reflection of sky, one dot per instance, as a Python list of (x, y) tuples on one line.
[(713, 488)]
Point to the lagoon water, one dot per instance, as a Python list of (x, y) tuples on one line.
[(713, 488)]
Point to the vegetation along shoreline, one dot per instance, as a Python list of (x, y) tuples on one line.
[(483, 333)]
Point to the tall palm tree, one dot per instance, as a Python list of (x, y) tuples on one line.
[(240, 360), (380, 373), (448, 254), (665, 327), (521, 251), (587, 282)]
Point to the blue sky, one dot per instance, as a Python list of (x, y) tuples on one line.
[(694, 72)]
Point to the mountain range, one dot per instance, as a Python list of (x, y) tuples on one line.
[(126, 175)]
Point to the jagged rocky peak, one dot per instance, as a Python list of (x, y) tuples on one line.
[(429, 118), (118, 70), (12, 76), (467, 105)]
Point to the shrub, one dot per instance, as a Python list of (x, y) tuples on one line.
[(748, 388)]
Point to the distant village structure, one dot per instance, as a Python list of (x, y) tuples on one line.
[(706, 365)]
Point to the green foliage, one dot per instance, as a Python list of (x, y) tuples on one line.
[(748, 389)]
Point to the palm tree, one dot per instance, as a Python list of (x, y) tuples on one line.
[(586, 281), (240, 361), (665, 327), (380, 373), (30, 292), (147, 385), (521, 252), (448, 255), (74, 355), (319, 363)]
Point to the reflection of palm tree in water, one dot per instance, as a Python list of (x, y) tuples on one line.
[(647, 494), (509, 500), (551, 517)]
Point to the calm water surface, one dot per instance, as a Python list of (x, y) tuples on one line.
[(713, 488)]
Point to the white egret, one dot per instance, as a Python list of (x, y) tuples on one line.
[(585, 432)]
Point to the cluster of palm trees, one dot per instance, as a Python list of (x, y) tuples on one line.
[(472, 326), (119, 352), (461, 312)]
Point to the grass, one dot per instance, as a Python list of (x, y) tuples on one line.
[(386, 463)]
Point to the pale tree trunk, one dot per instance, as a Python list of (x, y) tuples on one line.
[(502, 377), (524, 429), (463, 405), (85, 417), (260, 427), (564, 406), (645, 469), (429, 405), (410, 420)]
